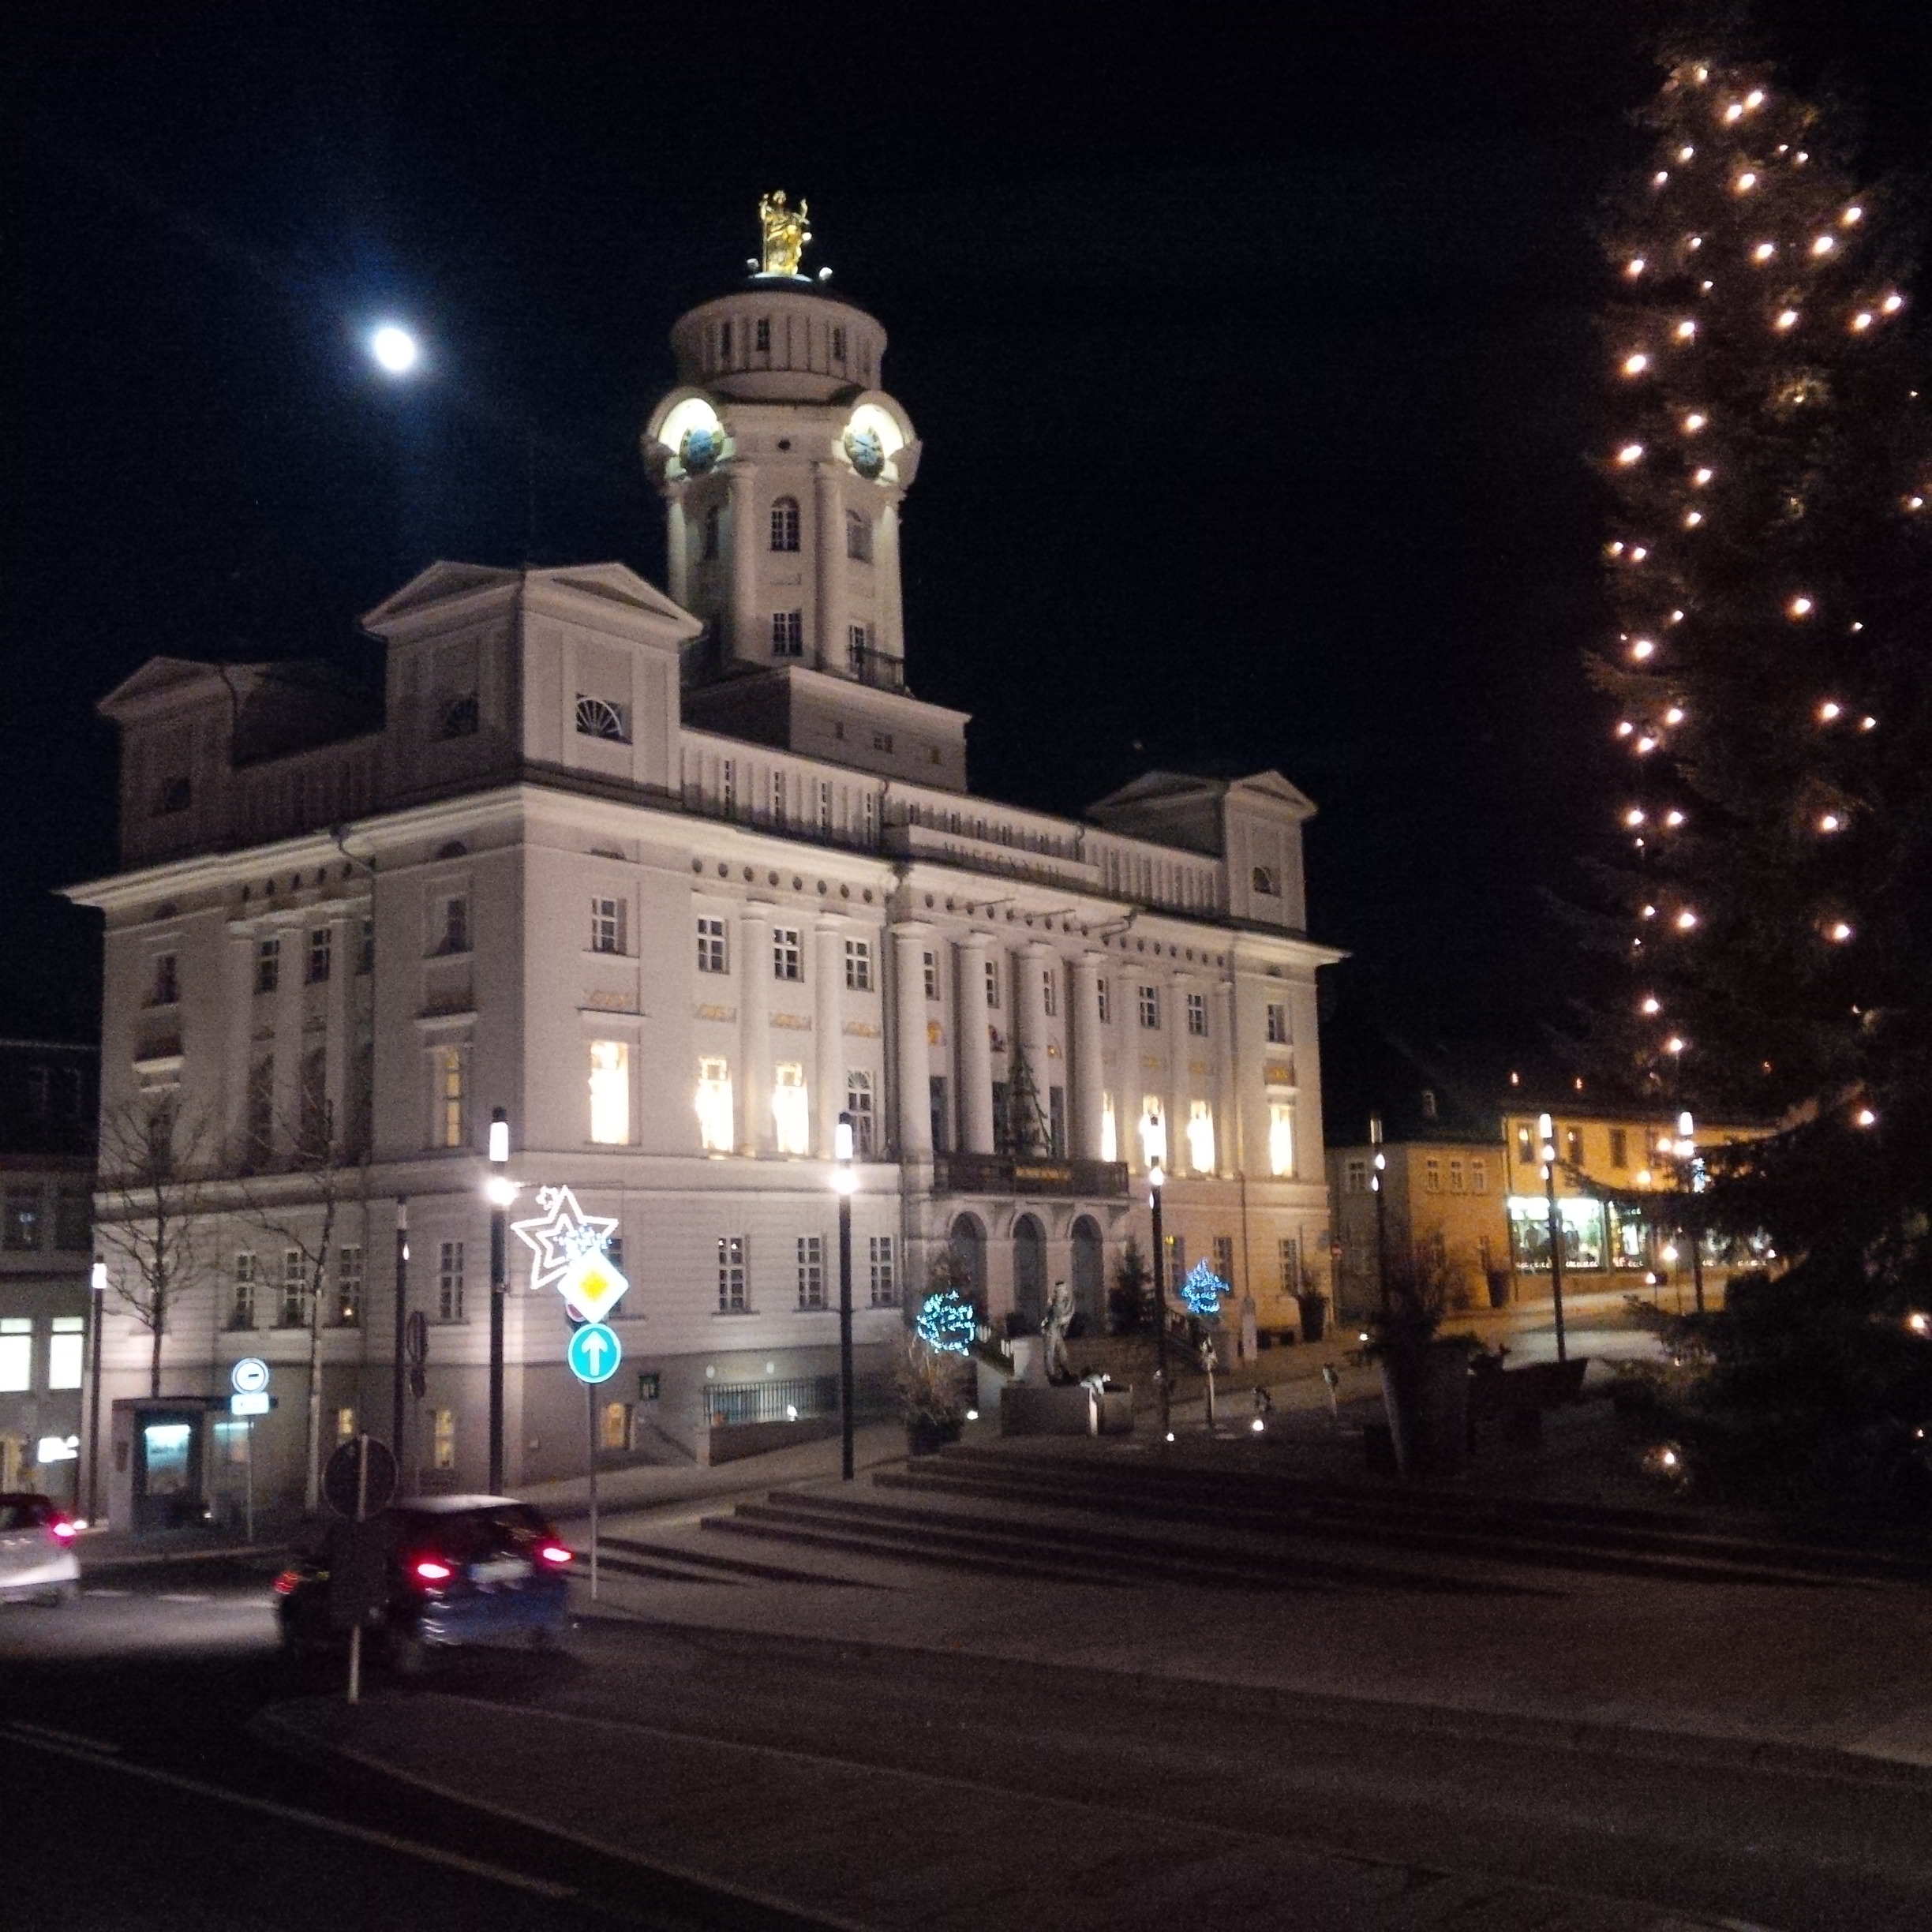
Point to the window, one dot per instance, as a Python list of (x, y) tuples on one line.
[(15, 1354), (450, 1281), (164, 989), (825, 807), (1224, 1258), (614, 1425), (838, 344), (1056, 1122), (1428, 1103), (881, 741), (1002, 1119), (859, 1105), (709, 554), (459, 717), (858, 537), (857, 638), (40, 1090), (764, 342), (1278, 1033), (1201, 1135), (242, 1310), (345, 1425), (597, 718), (1620, 1148), (73, 1216), (879, 1265), (175, 795), (456, 925), (447, 1063), (929, 964), (1177, 1261), (714, 1106), (791, 1109), (293, 1311), (1479, 1176), (1197, 1015), (858, 965), (1281, 1138), (993, 983), (1110, 1130), (66, 1349), (941, 1117), (610, 1093), (1289, 1250), (442, 1438), (868, 817), (315, 1116), (733, 1297), (1106, 1004), (778, 797), (811, 1270), (728, 787), (1526, 1155), (20, 1233), (712, 957), (784, 519), (1150, 1007), (321, 954), (724, 340), (788, 634), (1455, 1177), (1432, 1175), (267, 965), (1266, 883), (1355, 1176), (1049, 990), (607, 926), (348, 1286), (788, 956), (1153, 1128), (1573, 1146), (365, 955)]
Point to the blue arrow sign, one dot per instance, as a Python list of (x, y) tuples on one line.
[(593, 1353)]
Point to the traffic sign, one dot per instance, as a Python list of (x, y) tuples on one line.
[(250, 1403), (593, 1353), (591, 1285), (339, 1481), (250, 1377)]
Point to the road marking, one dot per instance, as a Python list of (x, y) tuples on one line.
[(62, 1737), (108, 1592), (184, 1597), (82, 1750)]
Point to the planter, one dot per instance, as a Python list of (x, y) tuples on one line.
[(1314, 1316), (925, 1437), (1425, 1391), (1498, 1290)]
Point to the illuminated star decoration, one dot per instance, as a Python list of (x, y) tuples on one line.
[(561, 1236), (946, 1323), (1203, 1290)]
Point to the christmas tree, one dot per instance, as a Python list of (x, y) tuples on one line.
[(1768, 567)]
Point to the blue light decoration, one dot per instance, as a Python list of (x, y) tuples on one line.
[(946, 1323), (1203, 1291)]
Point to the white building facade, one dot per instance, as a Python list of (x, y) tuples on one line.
[(675, 881)]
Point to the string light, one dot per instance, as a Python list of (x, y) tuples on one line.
[(1744, 184), (1652, 1005), (1868, 723), (1686, 920), (1693, 518), (1755, 98), (1674, 715), (1892, 304), (1634, 267), (1660, 178), (1829, 710), (1649, 912), (1675, 1044), (1831, 822), (1853, 216), (1763, 252), (1638, 554), (1799, 607), (1624, 727), (1633, 817), (1675, 617), (1700, 478), (1645, 746), (1823, 245), (1687, 330), (1695, 422), (1686, 154), (1673, 819), (1865, 1117), (1643, 648), (1787, 318), (1862, 320), (1734, 112), (1631, 453), (1636, 364)]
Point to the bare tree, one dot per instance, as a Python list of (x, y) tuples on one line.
[(150, 1207)]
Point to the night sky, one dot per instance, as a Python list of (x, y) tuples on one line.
[(1254, 366)]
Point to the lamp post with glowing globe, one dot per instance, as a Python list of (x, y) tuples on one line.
[(501, 1191), (844, 1181)]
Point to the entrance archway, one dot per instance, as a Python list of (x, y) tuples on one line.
[(968, 1239), (1089, 1283), (1029, 1240)]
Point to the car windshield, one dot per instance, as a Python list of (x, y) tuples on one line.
[(474, 1536), (22, 1513)]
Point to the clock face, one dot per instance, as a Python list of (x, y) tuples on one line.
[(867, 451), (702, 446)]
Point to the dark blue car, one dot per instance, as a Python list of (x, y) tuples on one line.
[(458, 1570)]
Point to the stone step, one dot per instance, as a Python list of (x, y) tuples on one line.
[(701, 1566)]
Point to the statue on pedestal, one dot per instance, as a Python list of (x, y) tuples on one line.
[(1053, 1324), (784, 232)]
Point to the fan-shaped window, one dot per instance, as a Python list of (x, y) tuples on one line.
[(785, 524), (460, 717), (1266, 882), (597, 718), (175, 796)]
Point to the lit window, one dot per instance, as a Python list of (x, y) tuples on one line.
[(1432, 1175), (450, 1097), (791, 1111), (734, 1298), (443, 1438), (1201, 1136), (787, 958), (1281, 1139), (607, 926), (858, 642), (610, 1093), (1153, 1127), (614, 1425), (858, 537), (1197, 1015), (450, 1281), (784, 523), (1050, 991), (1455, 1177), (1278, 1033), (1110, 1130), (345, 1425), (19, 1233), (348, 1286), (1150, 1007), (788, 634), (884, 1280), (711, 955), (811, 1270), (858, 965), (66, 1348), (597, 718), (1479, 1176), (267, 965), (714, 1106), (859, 1105), (15, 1354), (74, 1217)]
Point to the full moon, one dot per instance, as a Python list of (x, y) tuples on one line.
[(395, 349)]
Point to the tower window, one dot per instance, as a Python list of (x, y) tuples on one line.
[(858, 537), (787, 955), (788, 631), (1266, 883), (597, 718), (763, 340), (711, 954), (838, 344), (1197, 1015), (709, 554), (1278, 1033), (725, 344), (785, 524), (858, 641)]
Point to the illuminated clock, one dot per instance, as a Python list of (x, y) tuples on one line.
[(867, 452), (702, 446)]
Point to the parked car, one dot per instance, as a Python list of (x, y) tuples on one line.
[(37, 1555), (457, 1571)]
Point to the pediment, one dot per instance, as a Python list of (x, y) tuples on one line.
[(1272, 785), (618, 584), (160, 677), (443, 582)]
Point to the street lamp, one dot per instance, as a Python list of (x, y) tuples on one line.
[(1546, 1134), (1381, 1208), (502, 1191), (1686, 1153), (1154, 1138), (97, 1280), (402, 1326), (844, 1180)]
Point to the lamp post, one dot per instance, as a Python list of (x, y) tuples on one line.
[(1153, 1136), (401, 1325), (844, 1180), (502, 1191), (1687, 1154), (97, 1280), (1546, 1134), (1381, 1210)]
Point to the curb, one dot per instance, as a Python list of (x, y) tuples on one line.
[(149, 1558)]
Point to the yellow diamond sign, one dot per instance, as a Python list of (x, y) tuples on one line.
[(591, 1285)]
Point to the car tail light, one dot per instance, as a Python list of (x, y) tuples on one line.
[(60, 1529), (286, 1584), (554, 1553), (427, 1570)]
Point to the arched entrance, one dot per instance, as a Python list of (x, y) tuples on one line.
[(1029, 1240), (1089, 1283), (968, 1240)]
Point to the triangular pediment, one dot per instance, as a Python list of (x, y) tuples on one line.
[(1271, 784), (618, 584), (441, 583), (159, 677)]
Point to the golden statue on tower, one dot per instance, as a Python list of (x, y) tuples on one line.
[(785, 233)]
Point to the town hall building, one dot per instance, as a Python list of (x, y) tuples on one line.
[(675, 878)]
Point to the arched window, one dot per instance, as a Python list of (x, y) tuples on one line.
[(785, 524), (597, 718), (1266, 883)]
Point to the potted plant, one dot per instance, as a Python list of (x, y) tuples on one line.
[(1424, 1377), (933, 1380)]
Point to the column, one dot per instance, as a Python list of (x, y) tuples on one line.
[(1029, 995), (976, 1046), (1230, 1145), (677, 548), (290, 1043), (829, 1030), (1087, 1081), (752, 1082), (748, 542), (343, 934), (1176, 1084), (886, 574), (912, 1057), (829, 520), (239, 988)]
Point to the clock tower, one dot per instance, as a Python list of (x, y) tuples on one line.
[(783, 467)]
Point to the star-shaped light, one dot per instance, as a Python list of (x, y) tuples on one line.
[(561, 1236)]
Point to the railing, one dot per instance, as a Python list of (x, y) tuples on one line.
[(876, 669), (1002, 1173), (792, 1398)]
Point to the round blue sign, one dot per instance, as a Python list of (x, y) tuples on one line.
[(593, 1353)]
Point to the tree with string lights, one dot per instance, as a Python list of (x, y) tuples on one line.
[(1769, 468)]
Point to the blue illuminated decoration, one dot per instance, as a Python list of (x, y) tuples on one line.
[(946, 1323), (1203, 1291)]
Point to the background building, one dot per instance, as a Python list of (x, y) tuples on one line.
[(676, 882)]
